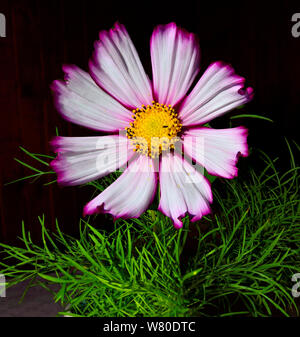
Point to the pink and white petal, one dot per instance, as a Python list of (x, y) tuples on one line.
[(84, 159), (117, 68), (175, 62), (81, 101), (218, 91), (217, 150), (130, 194), (182, 189)]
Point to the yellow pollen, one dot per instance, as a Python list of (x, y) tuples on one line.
[(154, 129)]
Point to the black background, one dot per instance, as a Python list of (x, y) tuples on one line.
[(255, 37)]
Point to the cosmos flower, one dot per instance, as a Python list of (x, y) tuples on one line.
[(151, 123)]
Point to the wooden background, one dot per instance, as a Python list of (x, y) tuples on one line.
[(43, 35)]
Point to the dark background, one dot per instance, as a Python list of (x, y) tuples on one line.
[(255, 37)]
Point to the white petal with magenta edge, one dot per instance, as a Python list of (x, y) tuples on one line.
[(84, 159), (183, 189), (218, 91), (217, 149), (117, 68), (175, 61), (129, 195), (81, 101)]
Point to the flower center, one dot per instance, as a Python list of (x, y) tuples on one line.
[(154, 129)]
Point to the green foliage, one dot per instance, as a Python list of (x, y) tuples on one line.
[(239, 260), (38, 172), (252, 116)]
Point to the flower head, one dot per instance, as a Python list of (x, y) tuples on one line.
[(157, 121), (154, 129)]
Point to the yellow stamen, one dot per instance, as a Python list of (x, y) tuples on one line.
[(154, 129)]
